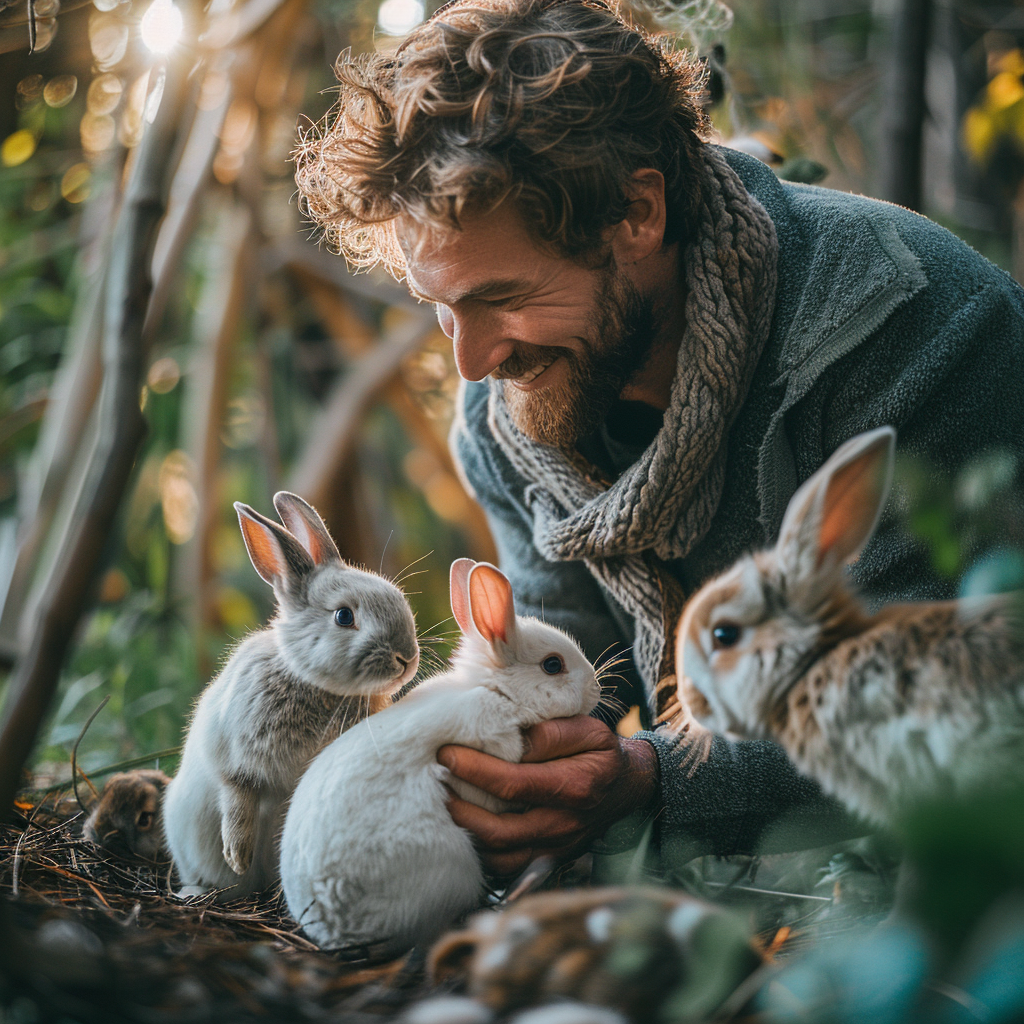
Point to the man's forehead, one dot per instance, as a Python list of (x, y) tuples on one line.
[(485, 257)]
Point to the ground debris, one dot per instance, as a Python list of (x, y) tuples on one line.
[(92, 936)]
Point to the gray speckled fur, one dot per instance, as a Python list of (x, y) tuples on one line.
[(285, 693)]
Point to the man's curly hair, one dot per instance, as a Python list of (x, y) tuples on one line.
[(552, 104)]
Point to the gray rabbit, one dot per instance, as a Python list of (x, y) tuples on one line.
[(342, 641)]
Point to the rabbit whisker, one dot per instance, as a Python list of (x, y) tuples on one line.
[(384, 551), (401, 574), (440, 622)]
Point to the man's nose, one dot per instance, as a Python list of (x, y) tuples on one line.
[(478, 343)]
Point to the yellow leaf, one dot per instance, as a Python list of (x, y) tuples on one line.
[(17, 148), (1012, 61), (979, 134), (1004, 90)]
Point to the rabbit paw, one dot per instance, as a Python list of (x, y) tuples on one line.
[(238, 851), (188, 891)]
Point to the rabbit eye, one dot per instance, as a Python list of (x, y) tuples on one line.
[(345, 617), (553, 664), (145, 819), (725, 634)]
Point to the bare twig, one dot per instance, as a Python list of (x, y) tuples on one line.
[(74, 754)]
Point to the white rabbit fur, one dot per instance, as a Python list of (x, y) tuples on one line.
[(369, 854), (285, 692), (915, 700)]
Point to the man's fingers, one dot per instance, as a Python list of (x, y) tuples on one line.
[(506, 865), (541, 827), (563, 737), (558, 783)]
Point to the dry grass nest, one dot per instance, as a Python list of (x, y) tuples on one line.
[(91, 936)]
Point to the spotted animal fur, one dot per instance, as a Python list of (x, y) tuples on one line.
[(918, 699)]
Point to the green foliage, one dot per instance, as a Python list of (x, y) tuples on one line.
[(141, 654), (961, 518)]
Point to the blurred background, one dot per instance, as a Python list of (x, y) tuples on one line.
[(263, 364)]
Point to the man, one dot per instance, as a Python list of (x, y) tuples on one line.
[(661, 341)]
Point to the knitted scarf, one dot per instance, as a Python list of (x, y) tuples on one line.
[(663, 504)]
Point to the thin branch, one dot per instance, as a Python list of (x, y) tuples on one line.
[(74, 754), (122, 429)]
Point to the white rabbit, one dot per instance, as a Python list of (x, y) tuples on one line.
[(342, 641), (916, 700), (370, 855)]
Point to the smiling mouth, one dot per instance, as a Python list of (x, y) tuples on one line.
[(524, 380)]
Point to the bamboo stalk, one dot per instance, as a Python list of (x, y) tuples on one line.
[(217, 320), (122, 429)]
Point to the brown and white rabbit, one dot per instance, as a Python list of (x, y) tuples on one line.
[(128, 818), (916, 700), (342, 641)]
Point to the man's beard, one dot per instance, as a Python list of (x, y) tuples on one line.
[(621, 340)]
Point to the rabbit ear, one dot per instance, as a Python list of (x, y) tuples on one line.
[(459, 586), (491, 604), (303, 522), (832, 516), (276, 555)]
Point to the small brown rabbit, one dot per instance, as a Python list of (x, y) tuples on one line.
[(920, 699), (128, 817), (627, 948)]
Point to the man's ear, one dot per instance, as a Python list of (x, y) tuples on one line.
[(642, 233)]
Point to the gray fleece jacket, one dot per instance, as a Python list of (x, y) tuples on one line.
[(881, 317)]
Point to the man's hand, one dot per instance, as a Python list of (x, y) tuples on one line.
[(576, 779)]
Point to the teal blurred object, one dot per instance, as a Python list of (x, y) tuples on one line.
[(997, 988), (864, 978), (996, 572)]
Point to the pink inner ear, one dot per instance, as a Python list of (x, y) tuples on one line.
[(490, 600), (852, 503), (263, 548), (308, 538), (459, 587)]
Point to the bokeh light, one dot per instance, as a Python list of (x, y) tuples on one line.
[(104, 94), (161, 26), (399, 17), (163, 375), (17, 148), (60, 91), (178, 496), (29, 90), (74, 186), (97, 132), (108, 39)]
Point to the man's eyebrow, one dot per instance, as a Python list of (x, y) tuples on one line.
[(488, 289)]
